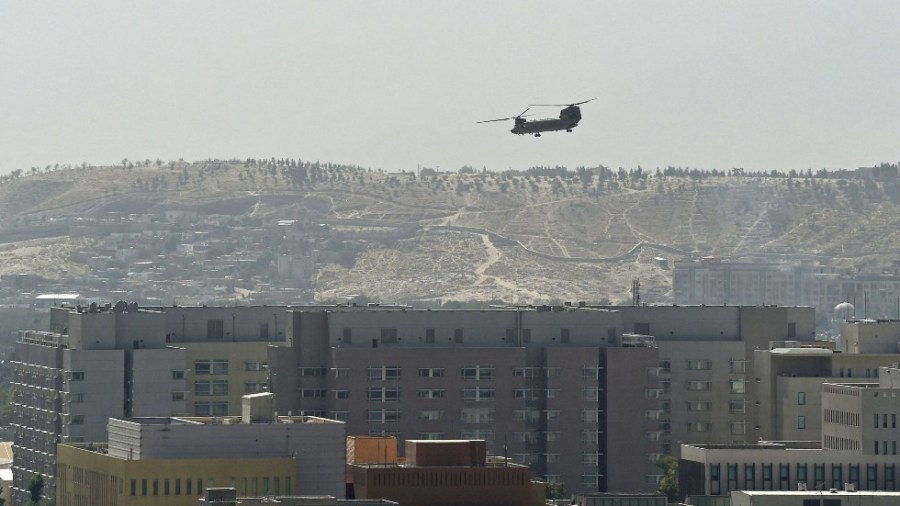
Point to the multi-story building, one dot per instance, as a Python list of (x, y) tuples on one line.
[(588, 396), (857, 449), (717, 281), (99, 362), (172, 461), (789, 376)]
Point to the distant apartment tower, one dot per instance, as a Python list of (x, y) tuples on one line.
[(588, 396), (99, 362)]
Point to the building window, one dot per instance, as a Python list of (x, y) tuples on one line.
[(590, 415), (590, 394), (590, 372), (767, 476), (458, 336), (715, 487), (665, 365), (264, 331), (304, 371), (732, 477), (430, 393), (736, 406), (77, 420), (254, 387), (383, 415), (699, 405), (784, 476), (801, 422), (736, 366), (510, 336), (430, 414), (477, 415), (347, 335), (750, 476), (836, 476), (792, 329), (76, 375), (699, 365), (477, 372), (341, 372), (801, 398), (177, 396), (564, 336), (477, 394), (177, 375), (737, 386), (801, 474), (699, 427), (383, 394), (312, 393), (526, 336), (341, 394), (384, 373), (431, 372), (590, 458), (211, 366), (483, 434), (553, 372), (698, 385)]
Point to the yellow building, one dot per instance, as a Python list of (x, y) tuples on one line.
[(219, 373), (87, 476)]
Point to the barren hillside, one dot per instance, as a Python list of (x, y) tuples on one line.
[(526, 237)]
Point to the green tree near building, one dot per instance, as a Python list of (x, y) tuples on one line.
[(668, 485)]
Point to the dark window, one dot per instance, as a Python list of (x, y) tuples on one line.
[(263, 330), (429, 336), (784, 476), (750, 476), (347, 336), (642, 328), (458, 336), (526, 336), (812, 502), (836, 476), (889, 477), (792, 330), (510, 335), (854, 475), (871, 477), (732, 477), (801, 473), (133, 487), (819, 475), (714, 478), (215, 329), (564, 336), (767, 476), (611, 335)]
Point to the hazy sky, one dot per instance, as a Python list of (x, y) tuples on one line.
[(390, 84)]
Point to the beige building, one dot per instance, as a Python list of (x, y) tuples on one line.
[(172, 461), (857, 449)]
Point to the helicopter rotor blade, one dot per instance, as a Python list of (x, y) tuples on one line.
[(521, 115), (561, 105), (498, 119)]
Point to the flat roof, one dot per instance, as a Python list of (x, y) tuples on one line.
[(838, 493), (825, 352)]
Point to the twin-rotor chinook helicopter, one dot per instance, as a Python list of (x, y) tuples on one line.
[(569, 117)]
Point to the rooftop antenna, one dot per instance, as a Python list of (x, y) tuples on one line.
[(635, 292)]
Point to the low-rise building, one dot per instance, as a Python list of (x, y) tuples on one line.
[(172, 461)]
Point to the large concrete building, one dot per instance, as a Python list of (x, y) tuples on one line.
[(99, 362), (857, 449), (589, 396), (172, 461)]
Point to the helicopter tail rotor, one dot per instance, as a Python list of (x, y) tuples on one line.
[(563, 105)]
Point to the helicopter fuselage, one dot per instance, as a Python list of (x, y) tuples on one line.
[(568, 119)]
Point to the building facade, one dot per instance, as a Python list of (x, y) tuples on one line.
[(589, 396), (172, 461)]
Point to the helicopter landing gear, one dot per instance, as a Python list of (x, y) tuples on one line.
[(568, 130), (537, 135)]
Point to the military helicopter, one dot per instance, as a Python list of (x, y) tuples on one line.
[(569, 117)]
